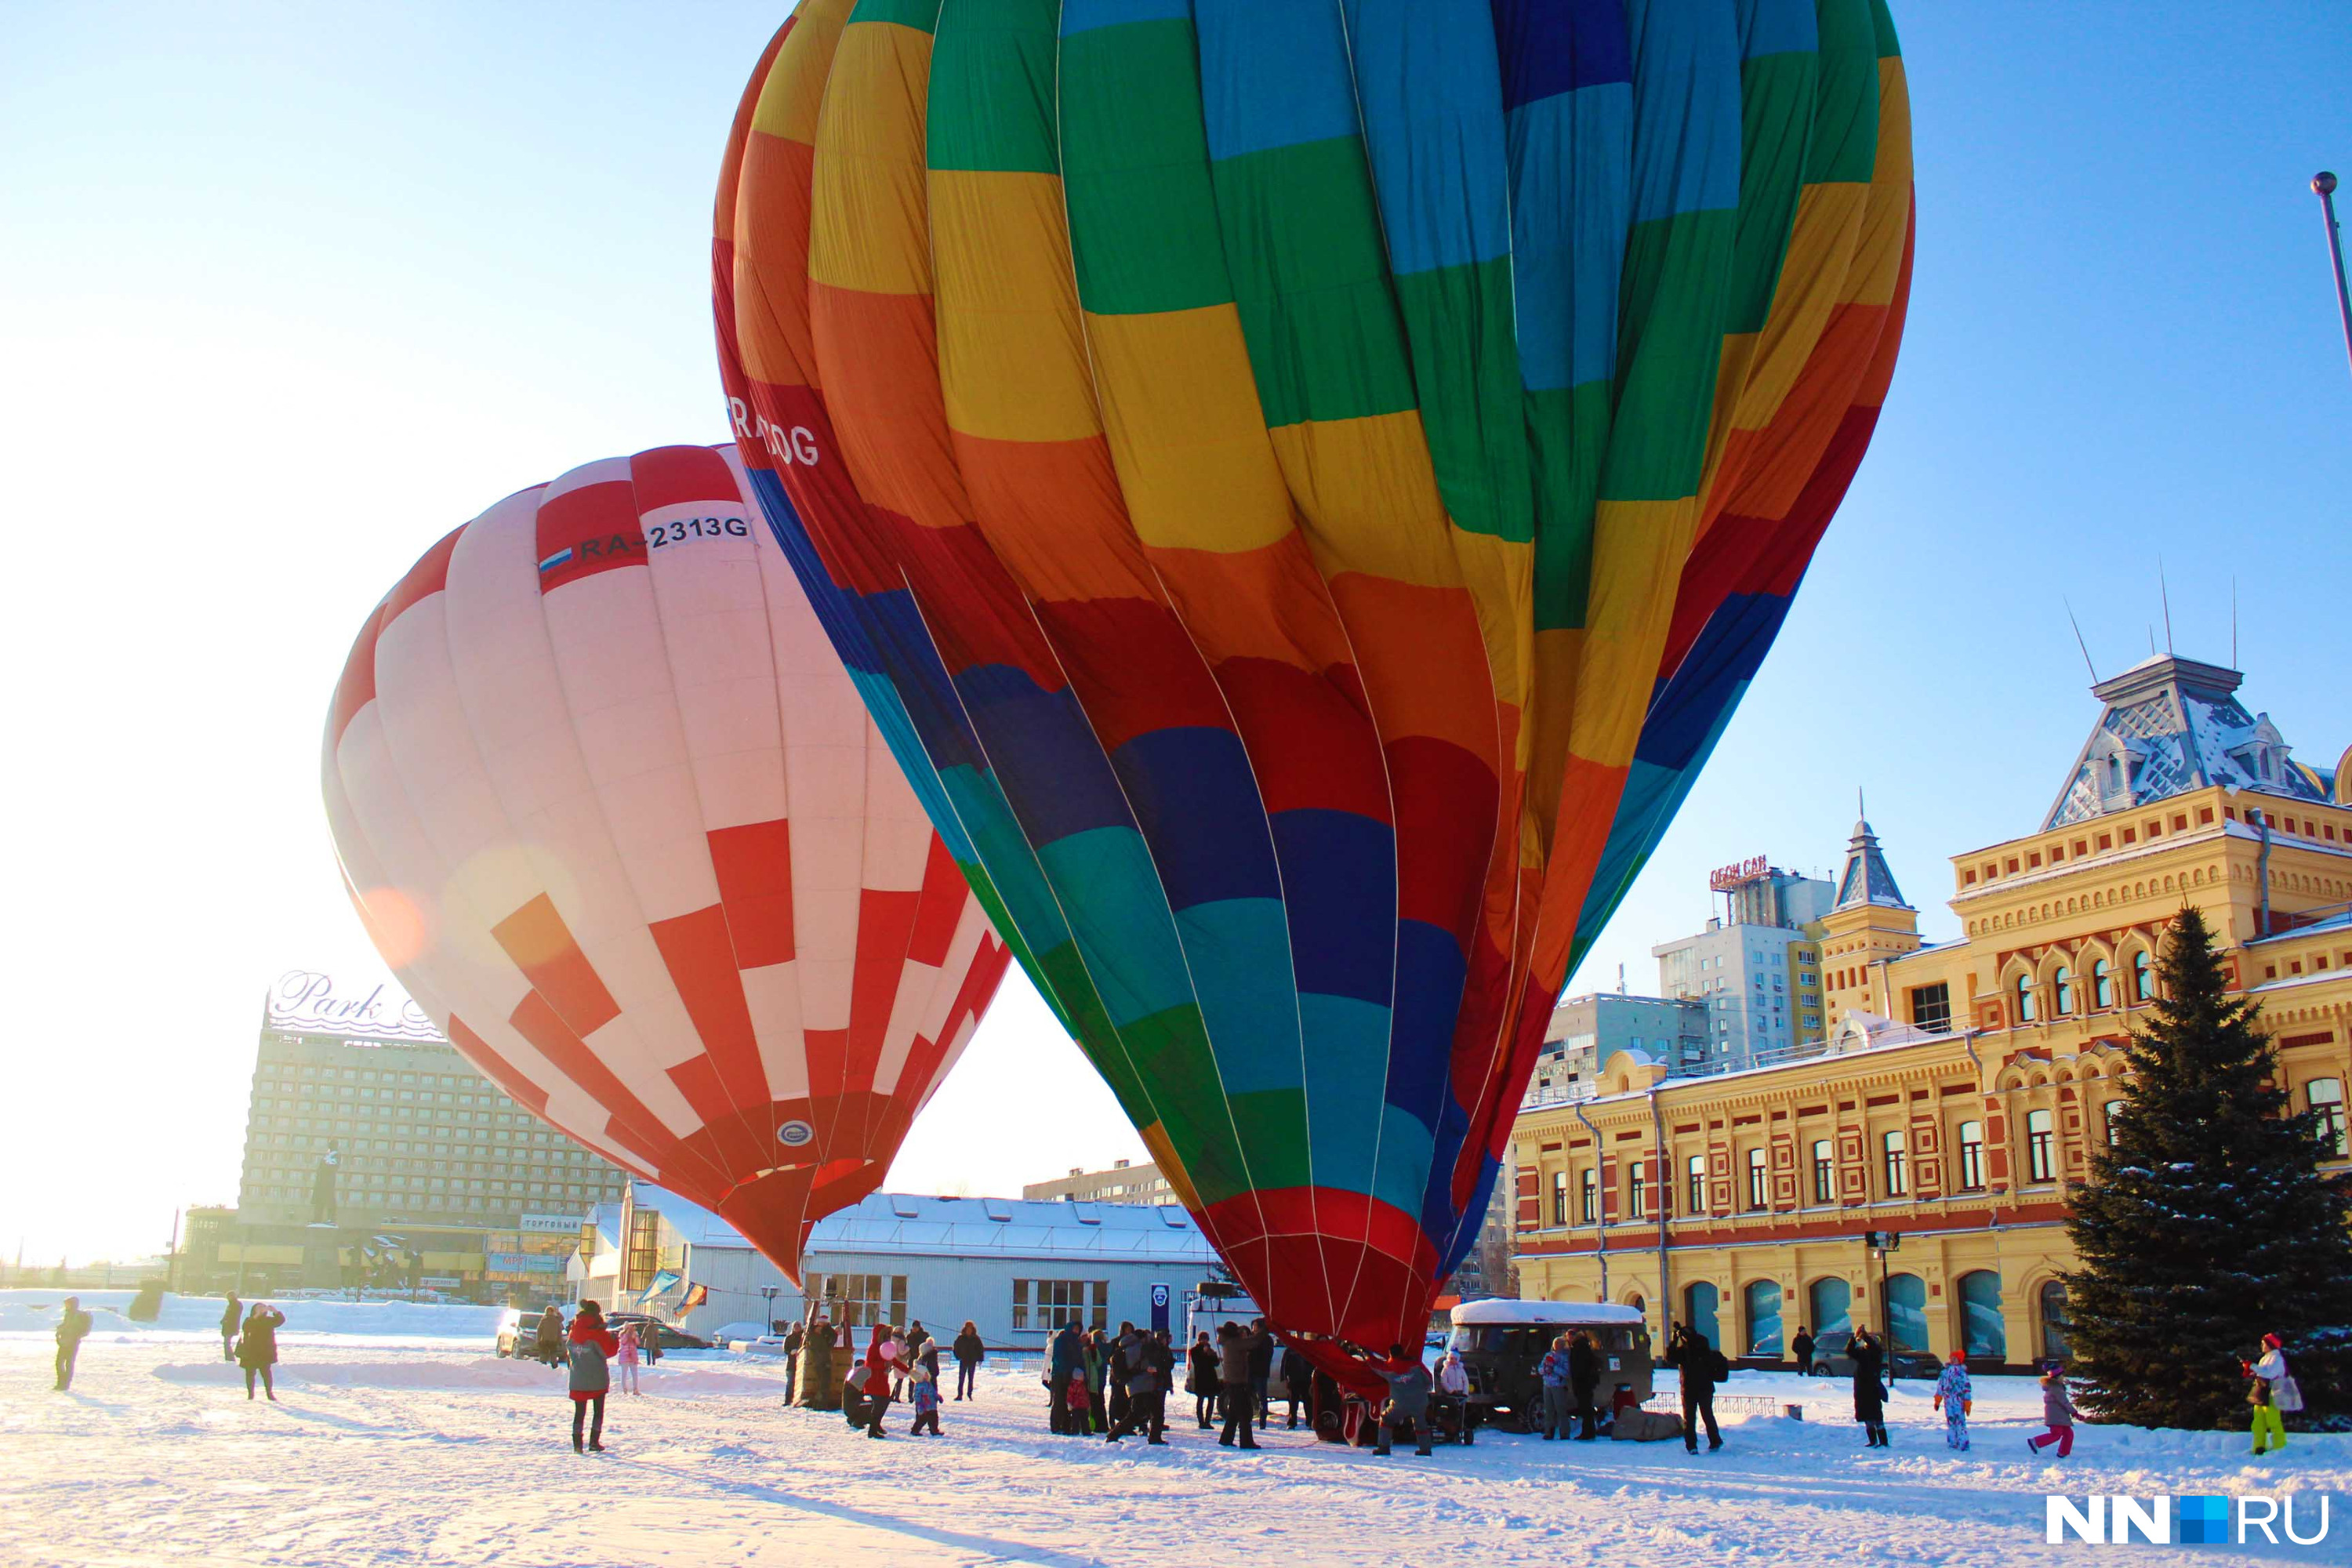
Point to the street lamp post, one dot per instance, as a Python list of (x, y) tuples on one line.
[(768, 1312), (2323, 186)]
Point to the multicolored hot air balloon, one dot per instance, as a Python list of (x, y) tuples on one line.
[(1307, 482), (615, 814)]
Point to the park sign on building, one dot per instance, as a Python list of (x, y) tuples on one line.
[(361, 1115), (1963, 1085)]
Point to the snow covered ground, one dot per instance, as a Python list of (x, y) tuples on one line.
[(399, 1439)]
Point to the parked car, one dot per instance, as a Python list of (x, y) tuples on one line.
[(1501, 1342), (1830, 1358), (518, 1331)]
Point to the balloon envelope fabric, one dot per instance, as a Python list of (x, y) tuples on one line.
[(1307, 483), (616, 815)]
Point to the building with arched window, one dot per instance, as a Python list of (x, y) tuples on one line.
[(1967, 1085)]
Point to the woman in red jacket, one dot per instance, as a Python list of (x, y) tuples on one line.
[(592, 1378), (881, 1356)]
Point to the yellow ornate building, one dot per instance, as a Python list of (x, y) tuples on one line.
[(1964, 1083)]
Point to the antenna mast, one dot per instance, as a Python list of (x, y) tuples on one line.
[(2086, 647)]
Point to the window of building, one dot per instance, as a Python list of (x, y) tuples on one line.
[(1050, 1304), (1931, 1007), (1697, 1184), (1983, 1332), (1559, 1197), (1824, 1173), (2040, 1164), (1897, 1183), (862, 1300), (2024, 998), (1972, 1156), (1756, 1179), (2061, 991), (2326, 1096), (2103, 985), (1636, 1188), (1588, 1202), (1763, 1302), (2143, 977)]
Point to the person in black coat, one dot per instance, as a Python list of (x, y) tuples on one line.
[(1261, 1368), (970, 1351), (1702, 1367), (232, 1314), (1297, 1381), (1203, 1381), (794, 1337), (73, 1327), (1869, 1389), (1803, 1345), (257, 1347), (1584, 1377)]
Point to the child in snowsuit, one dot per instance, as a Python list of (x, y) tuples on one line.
[(923, 1386), (2058, 1415), (1077, 1407), (1955, 1396)]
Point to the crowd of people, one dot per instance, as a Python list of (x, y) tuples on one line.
[(1119, 1385)]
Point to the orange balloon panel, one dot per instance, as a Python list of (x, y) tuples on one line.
[(613, 811)]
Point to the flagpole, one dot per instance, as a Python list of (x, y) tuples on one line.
[(2323, 186)]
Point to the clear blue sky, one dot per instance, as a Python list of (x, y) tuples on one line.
[(286, 292)]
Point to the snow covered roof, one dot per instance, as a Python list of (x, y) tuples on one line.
[(2170, 725), (905, 1223), (1543, 1314)]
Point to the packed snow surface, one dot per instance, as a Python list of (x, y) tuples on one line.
[(409, 1443)]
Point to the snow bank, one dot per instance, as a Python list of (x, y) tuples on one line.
[(482, 1373), (35, 1312)]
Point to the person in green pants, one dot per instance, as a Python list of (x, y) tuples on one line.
[(2272, 1394)]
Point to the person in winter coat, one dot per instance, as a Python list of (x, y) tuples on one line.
[(820, 1384), (1143, 1395), (794, 1338), (1119, 1365), (2058, 1415), (550, 1339), (2272, 1393), (1955, 1397), (1297, 1382), (1449, 1407), (1869, 1391), (1702, 1366), (923, 1383), (232, 1314), (627, 1361), (970, 1351), (1203, 1378), (589, 1348), (1407, 1409), (1063, 1357), (1260, 1365), (1098, 1364), (1803, 1345), (1554, 1371), (1583, 1378), (73, 1327), (1233, 1343), (881, 1367), (257, 1347)]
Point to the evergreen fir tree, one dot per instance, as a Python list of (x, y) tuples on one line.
[(2208, 1222)]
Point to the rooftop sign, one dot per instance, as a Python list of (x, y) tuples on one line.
[(305, 1002), (1725, 878)]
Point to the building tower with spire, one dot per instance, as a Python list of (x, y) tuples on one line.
[(1869, 924)]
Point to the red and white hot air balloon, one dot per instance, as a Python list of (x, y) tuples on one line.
[(614, 813)]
